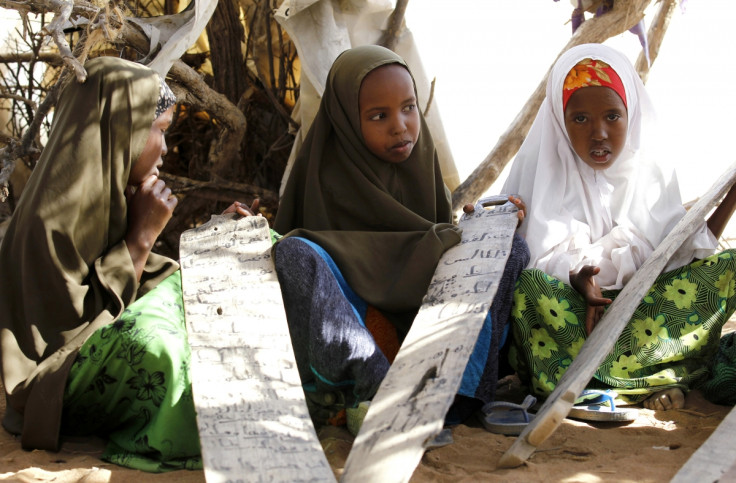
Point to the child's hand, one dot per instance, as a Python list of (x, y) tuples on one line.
[(521, 206), (584, 282), (242, 209), (469, 208), (150, 206)]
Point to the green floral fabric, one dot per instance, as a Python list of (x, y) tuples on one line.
[(130, 383), (720, 386), (669, 342)]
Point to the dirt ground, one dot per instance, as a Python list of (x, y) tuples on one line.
[(651, 449)]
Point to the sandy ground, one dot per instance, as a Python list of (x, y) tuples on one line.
[(651, 449)]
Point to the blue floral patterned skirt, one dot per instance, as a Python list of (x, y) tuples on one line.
[(669, 341)]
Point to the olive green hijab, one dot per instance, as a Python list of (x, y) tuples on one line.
[(385, 224), (66, 270)]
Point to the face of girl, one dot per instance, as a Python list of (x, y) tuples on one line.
[(596, 120), (151, 157), (389, 119)]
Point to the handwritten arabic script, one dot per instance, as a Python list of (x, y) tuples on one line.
[(410, 406), (252, 418)]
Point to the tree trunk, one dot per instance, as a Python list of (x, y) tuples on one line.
[(226, 37)]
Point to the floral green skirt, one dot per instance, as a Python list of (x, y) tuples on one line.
[(130, 384), (668, 342)]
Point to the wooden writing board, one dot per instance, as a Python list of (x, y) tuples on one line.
[(252, 418), (603, 338), (411, 403), (715, 460)]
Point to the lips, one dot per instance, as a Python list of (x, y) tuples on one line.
[(600, 154)]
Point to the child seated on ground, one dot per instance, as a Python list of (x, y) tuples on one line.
[(92, 325), (366, 217), (599, 205)]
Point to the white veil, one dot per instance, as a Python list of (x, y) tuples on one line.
[(612, 218)]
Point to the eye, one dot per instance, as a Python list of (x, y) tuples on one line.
[(614, 117), (410, 107), (579, 118), (377, 117)]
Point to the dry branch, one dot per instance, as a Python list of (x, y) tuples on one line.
[(51, 58), (199, 94), (62, 12), (621, 18), (219, 190), (655, 35), (395, 25)]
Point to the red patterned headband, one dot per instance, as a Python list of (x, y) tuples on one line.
[(589, 72)]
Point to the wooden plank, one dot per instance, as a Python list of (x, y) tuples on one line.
[(715, 458), (603, 338), (411, 403), (252, 418)]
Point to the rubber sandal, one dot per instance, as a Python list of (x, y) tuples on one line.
[(599, 405), (507, 418)]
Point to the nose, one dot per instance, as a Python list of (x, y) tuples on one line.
[(398, 126), (164, 148), (598, 131)]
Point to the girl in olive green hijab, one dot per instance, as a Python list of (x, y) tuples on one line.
[(366, 217), (91, 322)]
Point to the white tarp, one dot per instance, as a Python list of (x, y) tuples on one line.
[(321, 30)]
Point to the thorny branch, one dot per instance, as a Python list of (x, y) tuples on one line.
[(63, 11)]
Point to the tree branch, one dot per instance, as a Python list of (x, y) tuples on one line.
[(198, 93), (655, 35), (219, 190), (51, 58), (63, 11), (390, 36)]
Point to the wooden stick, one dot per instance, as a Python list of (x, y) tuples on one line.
[(219, 190), (607, 331), (395, 25), (715, 458), (655, 35)]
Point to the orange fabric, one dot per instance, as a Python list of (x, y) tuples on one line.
[(384, 333), (340, 419), (589, 72)]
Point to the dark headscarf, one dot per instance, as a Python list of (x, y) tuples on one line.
[(385, 224), (66, 270)]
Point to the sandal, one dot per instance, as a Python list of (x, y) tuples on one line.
[(507, 418), (599, 405)]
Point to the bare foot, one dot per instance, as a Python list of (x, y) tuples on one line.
[(672, 398)]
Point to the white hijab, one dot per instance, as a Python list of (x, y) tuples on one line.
[(611, 218)]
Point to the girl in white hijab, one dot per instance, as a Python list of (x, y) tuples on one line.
[(598, 206)]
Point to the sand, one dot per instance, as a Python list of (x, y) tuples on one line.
[(651, 449)]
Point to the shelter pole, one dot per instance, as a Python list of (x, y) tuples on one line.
[(655, 35), (395, 25)]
